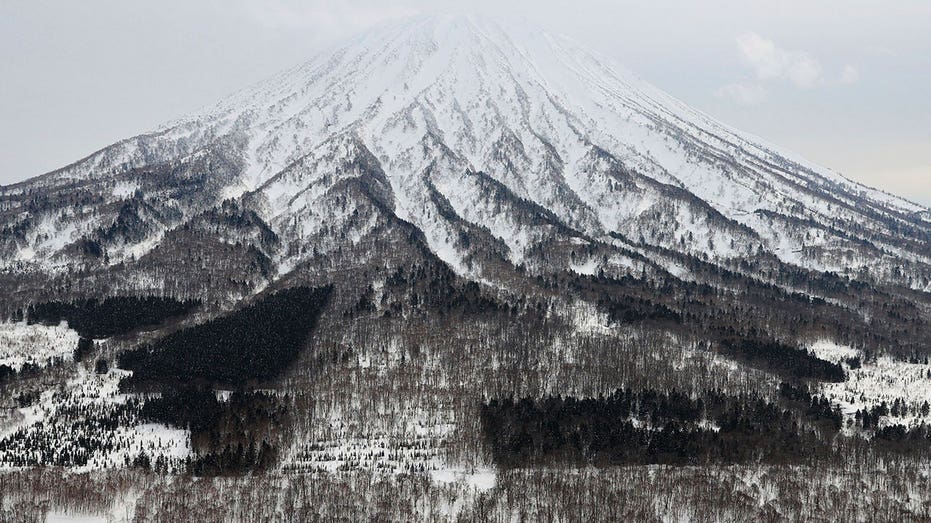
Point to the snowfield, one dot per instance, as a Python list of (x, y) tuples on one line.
[(23, 344), (884, 380), (65, 418)]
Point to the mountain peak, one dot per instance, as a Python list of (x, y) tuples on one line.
[(455, 108)]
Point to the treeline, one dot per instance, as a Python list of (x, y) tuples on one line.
[(627, 309), (96, 319), (782, 360), (253, 343), (433, 287), (227, 437), (900, 439), (654, 427), (869, 418), (84, 348), (233, 459), (724, 304), (82, 433), (878, 493)]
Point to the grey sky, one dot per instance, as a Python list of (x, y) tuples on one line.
[(843, 82)]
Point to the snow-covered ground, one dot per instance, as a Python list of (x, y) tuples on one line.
[(875, 382), (829, 351), (378, 454), (481, 479), (68, 517), (38, 345), (69, 416)]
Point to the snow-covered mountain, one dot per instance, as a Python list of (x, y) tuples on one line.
[(448, 265), (503, 146)]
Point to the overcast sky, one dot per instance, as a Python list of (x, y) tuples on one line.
[(846, 83)]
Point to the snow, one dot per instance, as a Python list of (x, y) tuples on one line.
[(589, 268), (587, 318), (65, 517), (21, 344), (52, 232), (54, 415), (137, 250), (455, 89), (25, 254), (830, 351), (479, 479), (56, 235), (124, 189), (884, 380), (167, 441)]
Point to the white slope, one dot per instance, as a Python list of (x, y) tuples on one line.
[(38, 345)]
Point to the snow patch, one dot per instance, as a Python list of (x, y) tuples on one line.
[(125, 189), (479, 479), (829, 351), (883, 381), (23, 344)]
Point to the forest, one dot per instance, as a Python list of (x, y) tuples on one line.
[(234, 436), (654, 427), (782, 360), (253, 343), (98, 319)]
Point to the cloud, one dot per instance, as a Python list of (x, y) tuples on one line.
[(337, 16), (770, 62), (746, 94), (804, 72), (850, 75)]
